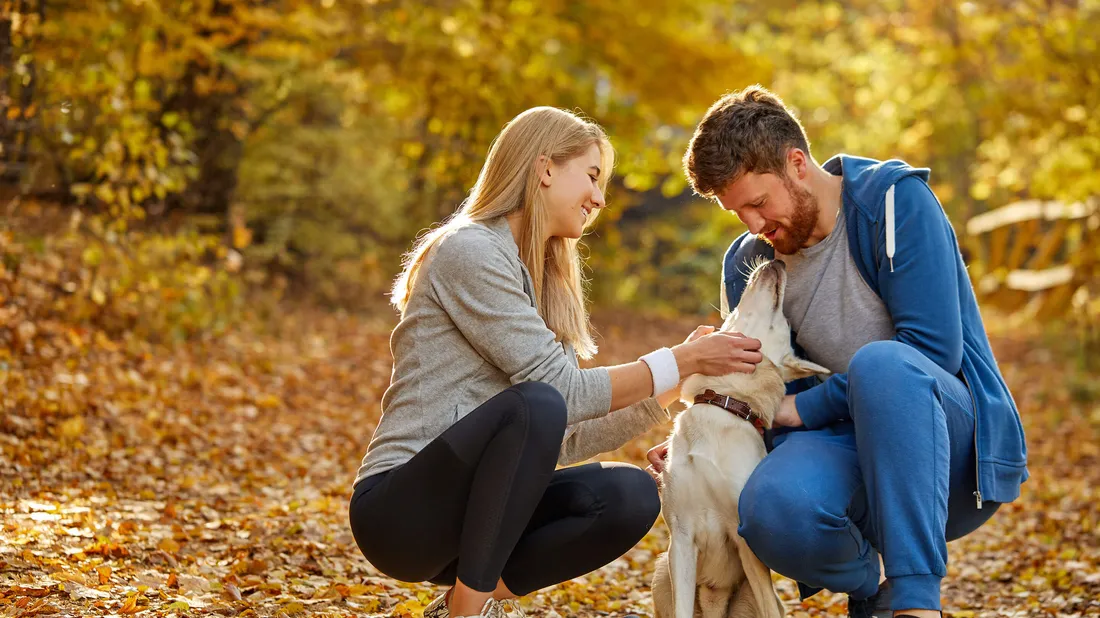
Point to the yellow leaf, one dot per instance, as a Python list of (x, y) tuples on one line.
[(268, 401), (169, 545), (105, 193), (242, 237), (130, 606), (292, 609), (72, 428)]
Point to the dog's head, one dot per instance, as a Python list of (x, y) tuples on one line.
[(759, 315)]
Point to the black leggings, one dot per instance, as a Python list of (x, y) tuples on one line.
[(483, 502)]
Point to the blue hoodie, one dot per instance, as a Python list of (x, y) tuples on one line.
[(906, 251)]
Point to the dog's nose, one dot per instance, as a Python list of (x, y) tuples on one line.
[(778, 265)]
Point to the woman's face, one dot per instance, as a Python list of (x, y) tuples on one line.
[(571, 193)]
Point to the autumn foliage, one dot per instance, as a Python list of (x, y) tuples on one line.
[(195, 193)]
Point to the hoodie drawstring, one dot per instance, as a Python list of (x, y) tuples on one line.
[(890, 226)]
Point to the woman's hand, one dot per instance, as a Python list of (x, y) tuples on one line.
[(787, 415), (716, 353), (656, 457)]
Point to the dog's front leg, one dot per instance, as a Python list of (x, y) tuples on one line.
[(683, 559), (743, 605), (759, 578), (714, 600)]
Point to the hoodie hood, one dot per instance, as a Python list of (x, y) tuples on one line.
[(869, 187), (866, 181)]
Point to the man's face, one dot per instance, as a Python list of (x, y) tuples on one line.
[(775, 208)]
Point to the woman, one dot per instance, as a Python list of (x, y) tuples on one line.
[(458, 485)]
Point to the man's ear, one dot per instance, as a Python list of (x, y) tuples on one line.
[(794, 368), (799, 163)]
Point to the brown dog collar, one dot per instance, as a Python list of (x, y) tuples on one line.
[(737, 407)]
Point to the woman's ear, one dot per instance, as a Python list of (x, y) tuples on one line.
[(546, 170)]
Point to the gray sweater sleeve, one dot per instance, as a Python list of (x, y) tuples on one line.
[(481, 290), (602, 435)]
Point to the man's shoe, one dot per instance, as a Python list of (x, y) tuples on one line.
[(875, 606)]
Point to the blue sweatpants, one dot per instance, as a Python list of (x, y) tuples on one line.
[(899, 479)]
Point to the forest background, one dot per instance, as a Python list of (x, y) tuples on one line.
[(203, 203)]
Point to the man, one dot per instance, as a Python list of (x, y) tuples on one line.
[(915, 439)]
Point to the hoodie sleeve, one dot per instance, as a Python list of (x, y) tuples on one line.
[(920, 290)]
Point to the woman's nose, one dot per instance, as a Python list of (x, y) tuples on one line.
[(597, 198)]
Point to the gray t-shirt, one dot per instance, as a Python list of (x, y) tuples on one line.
[(828, 303)]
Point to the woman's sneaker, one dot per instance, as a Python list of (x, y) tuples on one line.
[(492, 609), (438, 607)]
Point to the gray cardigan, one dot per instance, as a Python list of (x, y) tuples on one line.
[(471, 330)]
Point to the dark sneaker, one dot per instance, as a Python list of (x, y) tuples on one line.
[(875, 606)]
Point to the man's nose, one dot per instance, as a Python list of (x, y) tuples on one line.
[(754, 222)]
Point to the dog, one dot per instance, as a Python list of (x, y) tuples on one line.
[(714, 449)]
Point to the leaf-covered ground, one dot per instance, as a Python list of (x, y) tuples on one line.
[(213, 478)]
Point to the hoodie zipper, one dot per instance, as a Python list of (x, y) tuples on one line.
[(977, 461), (974, 404)]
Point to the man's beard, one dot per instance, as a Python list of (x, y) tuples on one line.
[(803, 220)]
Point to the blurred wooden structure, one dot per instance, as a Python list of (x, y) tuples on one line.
[(18, 81), (1034, 256)]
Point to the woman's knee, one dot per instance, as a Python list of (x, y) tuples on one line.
[(544, 403), (542, 414)]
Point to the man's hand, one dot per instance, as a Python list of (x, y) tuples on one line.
[(656, 457), (787, 416)]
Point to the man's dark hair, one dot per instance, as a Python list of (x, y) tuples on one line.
[(746, 131)]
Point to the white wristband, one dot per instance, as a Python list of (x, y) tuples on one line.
[(663, 368)]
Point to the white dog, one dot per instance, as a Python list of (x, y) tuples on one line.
[(715, 447)]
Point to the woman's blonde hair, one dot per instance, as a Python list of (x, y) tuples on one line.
[(509, 182)]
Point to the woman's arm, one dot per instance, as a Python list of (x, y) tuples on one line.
[(590, 438), (481, 290), (704, 351)]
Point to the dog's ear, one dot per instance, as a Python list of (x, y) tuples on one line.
[(794, 368)]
